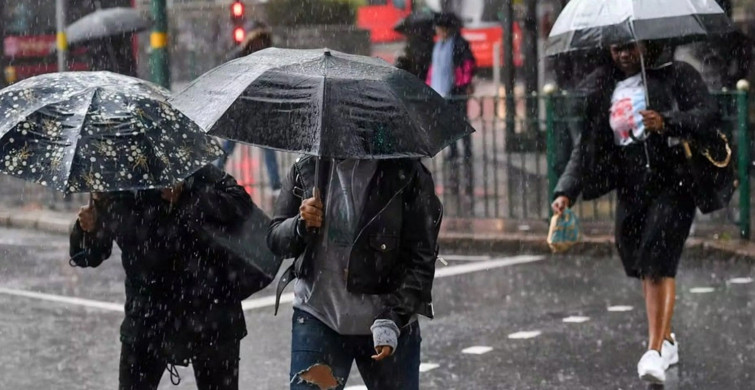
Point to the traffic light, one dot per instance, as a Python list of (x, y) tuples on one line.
[(237, 18)]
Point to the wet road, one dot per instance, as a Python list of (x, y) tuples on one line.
[(537, 323)]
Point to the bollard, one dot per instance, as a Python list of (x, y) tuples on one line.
[(743, 142)]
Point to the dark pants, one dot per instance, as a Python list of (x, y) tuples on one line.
[(460, 105), (459, 173), (142, 367), (314, 343)]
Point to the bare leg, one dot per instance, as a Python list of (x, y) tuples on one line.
[(660, 296)]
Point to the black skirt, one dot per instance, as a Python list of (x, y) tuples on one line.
[(654, 213)]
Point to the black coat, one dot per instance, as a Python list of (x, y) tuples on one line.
[(177, 292), (592, 169), (397, 245)]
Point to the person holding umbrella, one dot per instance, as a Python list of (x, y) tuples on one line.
[(117, 138), (179, 306), (418, 52), (365, 258), (450, 75), (639, 114)]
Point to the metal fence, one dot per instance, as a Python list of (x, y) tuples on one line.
[(520, 147), (508, 172)]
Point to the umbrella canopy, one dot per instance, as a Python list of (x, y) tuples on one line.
[(417, 23), (322, 103), (97, 132), (589, 24), (105, 23)]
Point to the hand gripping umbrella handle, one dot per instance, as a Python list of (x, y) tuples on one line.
[(316, 192)]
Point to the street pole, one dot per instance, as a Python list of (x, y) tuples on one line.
[(531, 65), (743, 166), (62, 40), (159, 59), (508, 69)]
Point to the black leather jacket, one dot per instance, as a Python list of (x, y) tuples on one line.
[(676, 91), (396, 248)]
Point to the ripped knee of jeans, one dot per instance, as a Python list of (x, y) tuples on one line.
[(319, 375)]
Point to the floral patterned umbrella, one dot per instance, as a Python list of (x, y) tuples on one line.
[(97, 132)]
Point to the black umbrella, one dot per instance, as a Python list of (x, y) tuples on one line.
[(417, 23), (589, 24), (105, 23), (323, 103), (97, 132)]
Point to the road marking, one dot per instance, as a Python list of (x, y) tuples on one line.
[(741, 280), (465, 258), (440, 272), (701, 290), (63, 299), (485, 265), (476, 350), (256, 303), (359, 387), (525, 335), (262, 302), (425, 367), (620, 308), (576, 319)]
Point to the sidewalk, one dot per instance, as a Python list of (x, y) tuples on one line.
[(473, 236)]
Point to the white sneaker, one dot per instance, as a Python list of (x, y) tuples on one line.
[(670, 352), (651, 368)]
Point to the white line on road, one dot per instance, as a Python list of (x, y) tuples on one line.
[(440, 272), (63, 299), (701, 290), (465, 258), (425, 367), (477, 350), (359, 387), (525, 335), (576, 319), (620, 308), (741, 280), (257, 303)]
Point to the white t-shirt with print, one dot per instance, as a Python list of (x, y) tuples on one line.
[(626, 103)]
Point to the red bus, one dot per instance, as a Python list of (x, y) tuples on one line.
[(28, 36), (482, 27)]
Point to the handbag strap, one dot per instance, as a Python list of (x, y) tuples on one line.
[(706, 153)]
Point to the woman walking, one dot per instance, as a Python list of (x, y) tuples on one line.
[(630, 141)]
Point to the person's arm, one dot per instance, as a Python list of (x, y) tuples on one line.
[(464, 73), (570, 183), (92, 244), (418, 249), (286, 236), (697, 112), (215, 196)]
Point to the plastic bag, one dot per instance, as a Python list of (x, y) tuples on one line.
[(564, 231)]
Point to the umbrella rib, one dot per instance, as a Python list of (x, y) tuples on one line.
[(409, 114), (77, 140)]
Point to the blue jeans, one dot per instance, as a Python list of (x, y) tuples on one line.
[(271, 163), (314, 343)]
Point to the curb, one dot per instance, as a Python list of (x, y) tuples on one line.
[(36, 221), (599, 246), (452, 242)]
